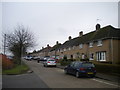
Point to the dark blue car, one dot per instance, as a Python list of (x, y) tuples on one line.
[(79, 69)]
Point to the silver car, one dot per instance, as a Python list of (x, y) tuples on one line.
[(49, 62)]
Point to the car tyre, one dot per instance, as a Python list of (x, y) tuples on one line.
[(77, 74)]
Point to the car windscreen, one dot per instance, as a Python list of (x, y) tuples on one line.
[(88, 65)]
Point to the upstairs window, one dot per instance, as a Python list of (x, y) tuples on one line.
[(69, 48), (64, 49), (99, 43), (61, 50), (58, 50), (73, 47), (81, 46), (91, 44)]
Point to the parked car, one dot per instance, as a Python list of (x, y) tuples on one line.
[(29, 58), (79, 68), (46, 57), (49, 62), (10, 57), (36, 58), (41, 59)]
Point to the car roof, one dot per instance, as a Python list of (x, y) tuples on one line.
[(83, 62)]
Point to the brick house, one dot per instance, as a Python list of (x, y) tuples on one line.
[(99, 45), (43, 52), (102, 44), (53, 50)]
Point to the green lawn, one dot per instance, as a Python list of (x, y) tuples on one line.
[(18, 69)]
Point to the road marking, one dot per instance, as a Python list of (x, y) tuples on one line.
[(105, 82)]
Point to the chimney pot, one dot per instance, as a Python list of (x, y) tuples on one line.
[(57, 42), (69, 37), (98, 26), (80, 33), (47, 45)]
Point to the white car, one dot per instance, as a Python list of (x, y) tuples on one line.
[(29, 58), (49, 62)]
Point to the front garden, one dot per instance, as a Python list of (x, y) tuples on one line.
[(10, 68)]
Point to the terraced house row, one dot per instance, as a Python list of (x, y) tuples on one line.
[(102, 45)]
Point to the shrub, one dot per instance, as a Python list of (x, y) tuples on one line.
[(65, 57), (107, 68), (65, 62), (6, 63)]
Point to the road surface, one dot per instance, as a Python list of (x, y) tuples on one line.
[(55, 78), (30, 80)]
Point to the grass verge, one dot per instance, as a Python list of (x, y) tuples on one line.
[(18, 69)]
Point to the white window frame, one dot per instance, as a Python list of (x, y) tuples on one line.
[(64, 49), (69, 48), (61, 50), (58, 50), (91, 57), (91, 44), (99, 43), (73, 47), (81, 46), (101, 56), (83, 56)]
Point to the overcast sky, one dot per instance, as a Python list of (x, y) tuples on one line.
[(55, 21)]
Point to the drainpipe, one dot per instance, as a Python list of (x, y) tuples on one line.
[(55, 54), (112, 49)]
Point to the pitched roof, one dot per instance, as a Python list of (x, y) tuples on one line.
[(103, 33), (46, 49), (55, 47)]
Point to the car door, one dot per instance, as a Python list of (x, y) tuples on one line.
[(70, 68), (74, 68)]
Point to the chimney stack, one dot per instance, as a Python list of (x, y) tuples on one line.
[(57, 42), (42, 47), (98, 26), (69, 37), (80, 33), (47, 45)]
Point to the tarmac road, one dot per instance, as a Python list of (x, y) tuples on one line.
[(30, 80), (55, 78)]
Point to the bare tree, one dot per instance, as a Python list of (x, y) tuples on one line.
[(19, 41)]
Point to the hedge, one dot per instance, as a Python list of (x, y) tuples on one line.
[(100, 67), (107, 68)]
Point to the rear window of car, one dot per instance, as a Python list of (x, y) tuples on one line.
[(88, 65), (51, 60)]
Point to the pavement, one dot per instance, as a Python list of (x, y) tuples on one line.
[(101, 76), (29, 80)]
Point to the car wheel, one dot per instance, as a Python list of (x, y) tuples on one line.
[(77, 74), (38, 61)]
